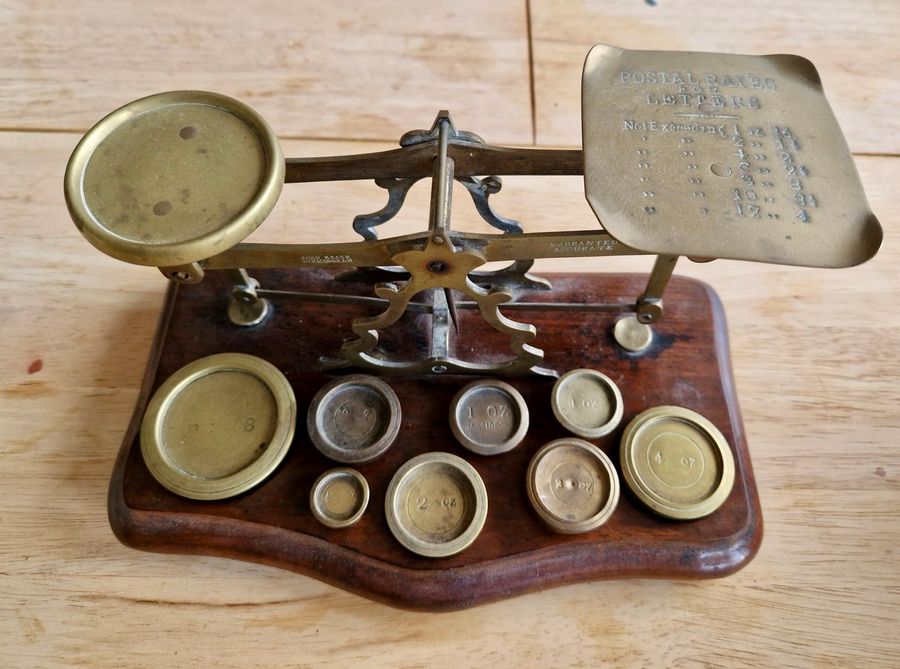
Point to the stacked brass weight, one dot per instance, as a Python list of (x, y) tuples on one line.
[(354, 419), (587, 403), (339, 497), (436, 505), (572, 485)]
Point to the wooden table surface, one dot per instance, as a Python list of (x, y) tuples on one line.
[(815, 353)]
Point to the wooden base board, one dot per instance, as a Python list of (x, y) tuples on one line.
[(688, 365)]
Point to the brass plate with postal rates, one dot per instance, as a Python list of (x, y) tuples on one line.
[(721, 156)]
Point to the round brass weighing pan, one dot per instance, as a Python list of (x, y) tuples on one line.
[(218, 426), (174, 178)]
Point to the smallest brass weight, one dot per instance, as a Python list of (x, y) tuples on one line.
[(572, 485), (354, 419), (489, 417), (587, 403), (339, 497), (436, 505), (677, 462), (218, 426)]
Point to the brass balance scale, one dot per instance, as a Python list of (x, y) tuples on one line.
[(698, 155)]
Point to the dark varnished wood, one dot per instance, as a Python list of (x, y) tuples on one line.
[(687, 366)]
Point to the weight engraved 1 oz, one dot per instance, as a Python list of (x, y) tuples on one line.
[(583, 402), (488, 417), (495, 412)]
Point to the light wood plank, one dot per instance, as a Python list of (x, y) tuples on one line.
[(312, 69), (814, 357), (853, 45)]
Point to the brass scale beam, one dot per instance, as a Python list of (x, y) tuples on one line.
[(445, 155)]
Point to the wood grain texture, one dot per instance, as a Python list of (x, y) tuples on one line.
[(851, 44), (312, 69), (815, 362)]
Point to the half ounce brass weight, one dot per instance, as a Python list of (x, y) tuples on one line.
[(339, 497), (572, 485), (677, 462), (174, 178), (354, 419), (218, 426), (436, 505), (587, 403), (489, 417)]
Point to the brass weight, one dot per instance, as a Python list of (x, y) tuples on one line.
[(436, 505), (677, 462), (572, 485), (489, 417), (219, 426)]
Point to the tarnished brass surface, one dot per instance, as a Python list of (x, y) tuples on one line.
[(370, 253), (587, 403), (702, 155), (677, 462), (572, 485), (489, 417), (721, 156), (436, 505), (218, 426), (437, 267), (354, 419), (339, 497), (174, 178), (632, 335)]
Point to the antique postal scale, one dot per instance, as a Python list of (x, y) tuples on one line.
[(394, 417)]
